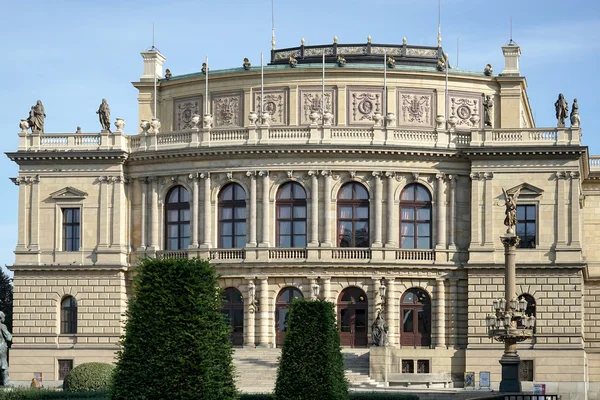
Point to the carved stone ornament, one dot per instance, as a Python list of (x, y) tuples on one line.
[(227, 110), (207, 121), (510, 241), (390, 119), (252, 117), (120, 124), (463, 107), (363, 105), (275, 104), (155, 124), (246, 64), (185, 109), (311, 101), (145, 125), (24, 125)]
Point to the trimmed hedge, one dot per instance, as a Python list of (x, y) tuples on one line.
[(49, 394), (311, 365), (353, 396), (89, 377), (176, 343)]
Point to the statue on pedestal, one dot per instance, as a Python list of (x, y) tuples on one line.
[(379, 331), (575, 115), (104, 115), (5, 337), (36, 118), (562, 110), (488, 103), (510, 202)]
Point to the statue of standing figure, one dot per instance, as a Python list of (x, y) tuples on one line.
[(562, 110), (510, 201), (575, 115), (104, 115), (488, 103), (5, 337), (36, 118), (379, 331)]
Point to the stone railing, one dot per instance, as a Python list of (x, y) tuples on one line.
[(296, 135), (594, 163)]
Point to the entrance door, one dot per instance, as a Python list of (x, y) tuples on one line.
[(233, 309), (415, 311), (352, 317), (284, 299)]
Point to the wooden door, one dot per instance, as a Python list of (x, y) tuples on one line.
[(352, 318), (284, 299)]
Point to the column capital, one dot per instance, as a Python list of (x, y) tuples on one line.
[(376, 174), (390, 174), (476, 176), (263, 174), (251, 174), (561, 175), (510, 241), (574, 175), (326, 173), (313, 173), (440, 176), (262, 278), (193, 177), (452, 178), (488, 175), (204, 175)]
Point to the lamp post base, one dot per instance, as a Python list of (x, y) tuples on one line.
[(510, 374)]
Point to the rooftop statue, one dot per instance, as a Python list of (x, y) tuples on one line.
[(575, 115), (36, 118), (488, 103), (562, 110), (104, 115), (5, 337), (510, 202)]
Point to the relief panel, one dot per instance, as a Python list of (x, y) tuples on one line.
[(311, 100), (362, 103), (463, 106), (416, 107), (227, 109), (183, 111), (276, 104)]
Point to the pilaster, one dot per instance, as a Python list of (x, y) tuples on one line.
[(195, 209), (23, 219), (488, 214), (314, 208), (452, 220), (391, 310), (440, 313), (251, 309), (441, 211), (154, 241), (266, 184), (264, 312), (252, 217), (144, 201), (327, 209), (574, 211), (206, 205), (561, 207), (377, 242), (103, 213), (35, 213)]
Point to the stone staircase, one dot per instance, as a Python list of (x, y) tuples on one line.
[(256, 369)]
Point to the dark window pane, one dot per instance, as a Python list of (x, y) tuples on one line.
[(186, 230), (299, 240), (285, 192), (299, 227), (520, 213), (226, 213), (240, 228), (360, 193), (285, 227), (172, 215), (422, 194), (407, 214), (360, 320), (346, 192), (240, 241), (423, 243), (424, 214), (407, 321), (285, 241), (185, 215), (184, 196), (299, 192), (346, 320), (362, 212), (226, 242), (240, 213), (226, 193), (239, 193), (299, 212), (226, 228), (285, 211), (423, 230)]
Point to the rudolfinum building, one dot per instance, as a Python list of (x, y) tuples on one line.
[(373, 180)]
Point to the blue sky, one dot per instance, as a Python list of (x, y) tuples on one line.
[(72, 53)]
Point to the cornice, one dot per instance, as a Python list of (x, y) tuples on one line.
[(19, 156)]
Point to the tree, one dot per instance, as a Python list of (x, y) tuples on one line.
[(311, 364), (176, 343), (6, 298)]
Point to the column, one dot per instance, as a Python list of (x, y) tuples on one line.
[(453, 334), (252, 216), (440, 212), (35, 213), (154, 214), (488, 206), (117, 214), (264, 312), (561, 220), (326, 287), (476, 210), (207, 204), (391, 208), (390, 310), (265, 242), (377, 242), (102, 212), (326, 209), (314, 208), (250, 339), (441, 314), (452, 221), (144, 182), (575, 232), (22, 215), (195, 210)]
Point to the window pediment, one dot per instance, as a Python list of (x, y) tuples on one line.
[(526, 191), (69, 193)]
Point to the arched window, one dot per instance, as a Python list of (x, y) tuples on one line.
[(68, 315), (177, 219), (529, 310), (284, 299), (232, 217), (415, 217), (233, 309), (353, 308), (415, 311), (353, 215), (291, 215)]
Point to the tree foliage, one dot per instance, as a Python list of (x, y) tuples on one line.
[(6, 298), (89, 377), (176, 343), (311, 365)]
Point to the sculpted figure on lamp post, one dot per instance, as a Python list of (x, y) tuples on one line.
[(5, 337), (562, 110), (104, 115), (510, 202)]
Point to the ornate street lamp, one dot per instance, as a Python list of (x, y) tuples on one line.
[(509, 323)]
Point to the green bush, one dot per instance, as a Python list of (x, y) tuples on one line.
[(382, 396), (50, 394), (88, 377), (176, 343), (311, 365)]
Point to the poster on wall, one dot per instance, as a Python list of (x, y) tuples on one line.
[(484, 379), (539, 388), (38, 377), (469, 379)]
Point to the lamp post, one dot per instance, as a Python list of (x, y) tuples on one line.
[(509, 323)]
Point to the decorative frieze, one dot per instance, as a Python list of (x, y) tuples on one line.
[(311, 101), (466, 108), (184, 111), (362, 104), (227, 109), (416, 107), (276, 104)]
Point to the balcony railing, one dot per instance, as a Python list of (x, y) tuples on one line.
[(313, 134)]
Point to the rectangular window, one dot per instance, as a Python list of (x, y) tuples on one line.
[(408, 367), (422, 366), (71, 224), (64, 367), (526, 226)]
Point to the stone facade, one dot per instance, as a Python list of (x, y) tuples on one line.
[(119, 186)]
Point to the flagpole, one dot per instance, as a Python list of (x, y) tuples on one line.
[(155, 79), (384, 83), (262, 83), (206, 87), (323, 88)]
